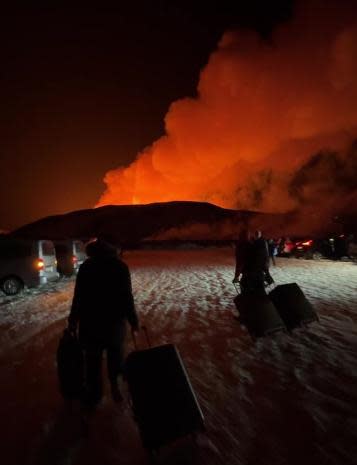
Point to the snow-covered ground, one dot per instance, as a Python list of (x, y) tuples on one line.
[(289, 399)]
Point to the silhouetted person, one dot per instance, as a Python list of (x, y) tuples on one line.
[(242, 249), (102, 303), (340, 246), (272, 248), (252, 262)]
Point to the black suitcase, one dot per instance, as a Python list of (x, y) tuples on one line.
[(292, 305), (258, 314), (164, 404), (70, 366)]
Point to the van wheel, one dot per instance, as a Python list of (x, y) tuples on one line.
[(12, 285), (317, 255)]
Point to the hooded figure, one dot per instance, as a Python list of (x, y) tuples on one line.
[(102, 303), (252, 263)]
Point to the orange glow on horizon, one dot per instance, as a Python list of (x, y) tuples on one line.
[(262, 111)]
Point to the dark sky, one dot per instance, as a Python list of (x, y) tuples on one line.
[(83, 90)]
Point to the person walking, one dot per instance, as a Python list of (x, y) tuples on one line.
[(242, 249), (102, 304), (273, 250), (252, 263)]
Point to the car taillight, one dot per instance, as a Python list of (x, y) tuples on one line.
[(74, 259), (40, 264), (307, 243)]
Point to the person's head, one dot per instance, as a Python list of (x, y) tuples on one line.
[(257, 234), (101, 248)]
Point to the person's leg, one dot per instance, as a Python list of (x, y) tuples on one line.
[(253, 283), (94, 381), (115, 368), (257, 283)]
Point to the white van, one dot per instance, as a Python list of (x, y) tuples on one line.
[(26, 263)]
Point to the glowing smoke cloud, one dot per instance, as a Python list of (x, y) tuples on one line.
[(263, 109)]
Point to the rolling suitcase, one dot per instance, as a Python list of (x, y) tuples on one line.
[(292, 305), (164, 404), (70, 366), (258, 314)]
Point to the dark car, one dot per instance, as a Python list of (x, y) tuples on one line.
[(315, 248)]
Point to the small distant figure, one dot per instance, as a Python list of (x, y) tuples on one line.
[(273, 250), (102, 303), (242, 249), (252, 263), (288, 247), (340, 247), (351, 247), (261, 255)]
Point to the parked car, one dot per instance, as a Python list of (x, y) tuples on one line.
[(332, 247), (26, 263), (70, 255)]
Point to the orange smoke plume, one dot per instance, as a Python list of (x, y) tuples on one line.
[(262, 110)]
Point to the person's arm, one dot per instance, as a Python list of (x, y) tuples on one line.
[(239, 263)]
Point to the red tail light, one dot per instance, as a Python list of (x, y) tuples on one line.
[(74, 259), (40, 264), (308, 243)]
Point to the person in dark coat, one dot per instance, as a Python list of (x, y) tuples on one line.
[(242, 250), (102, 303), (252, 263), (273, 250)]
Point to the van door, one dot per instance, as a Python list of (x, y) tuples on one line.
[(48, 254), (79, 252)]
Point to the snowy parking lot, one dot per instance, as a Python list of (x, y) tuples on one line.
[(288, 399)]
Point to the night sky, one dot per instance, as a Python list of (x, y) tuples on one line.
[(84, 90)]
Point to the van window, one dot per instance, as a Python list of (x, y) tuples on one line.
[(48, 248), (79, 247)]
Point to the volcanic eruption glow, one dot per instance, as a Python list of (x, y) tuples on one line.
[(262, 112)]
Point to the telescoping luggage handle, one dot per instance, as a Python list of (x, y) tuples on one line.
[(237, 287), (144, 328)]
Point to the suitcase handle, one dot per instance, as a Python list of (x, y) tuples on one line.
[(144, 328), (237, 287)]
